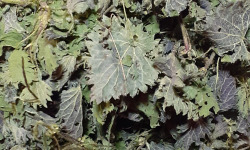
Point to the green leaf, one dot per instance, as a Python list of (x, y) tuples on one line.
[(43, 92), (70, 111), (108, 75), (244, 100), (174, 7), (228, 27), (204, 98), (101, 111), (151, 112), (16, 68), (46, 57), (79, 6), (193, 133), (10, 21), (167, 91)]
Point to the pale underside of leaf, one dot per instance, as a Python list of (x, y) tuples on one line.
[(228, 29), (71, 111), (10, 21), (175, 5)]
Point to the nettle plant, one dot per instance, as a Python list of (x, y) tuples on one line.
[(124, 74)]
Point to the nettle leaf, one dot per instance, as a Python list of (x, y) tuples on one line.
[(10, 93), (16, 68), (174, 7), (151, 112), (68, 63), (42, 90), (228, 27), (101, 111), (121, 68), (79, 6), (194, 132), (70, 111), (224, 90), (204, 98), (46, 57), (167, 91), (18, 133), (11, 22), (244, 99), (168, 86), (11, 38)]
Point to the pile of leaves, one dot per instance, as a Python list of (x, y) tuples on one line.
[(124, 74)]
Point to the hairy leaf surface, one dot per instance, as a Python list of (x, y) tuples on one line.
[(10, 21), (228, 27), (224, 90), (70, 111), (123, 67)]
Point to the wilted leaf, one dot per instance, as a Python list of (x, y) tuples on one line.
[(159, 146), (111, 78), (41, 89), (10, 93), (10, 21), (204, 98), (68, 64), (224, 90), (19, 133), (167, 91), (79, 6), (46, 57), (16, 68), (174, 7), (196, 131), (70, 111), (151, 112), (101, 111), (244, 99), (228, 27)]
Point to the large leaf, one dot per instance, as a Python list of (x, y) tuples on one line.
[(228, 27), (224, 89), (70, 111), (121, 68)]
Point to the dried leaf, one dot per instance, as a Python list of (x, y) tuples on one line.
[(70, 111), (228, 27)]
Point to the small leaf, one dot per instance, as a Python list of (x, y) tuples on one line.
[(101, 111), (151, 112), (45, 55), (174, 7), (16, 68)]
